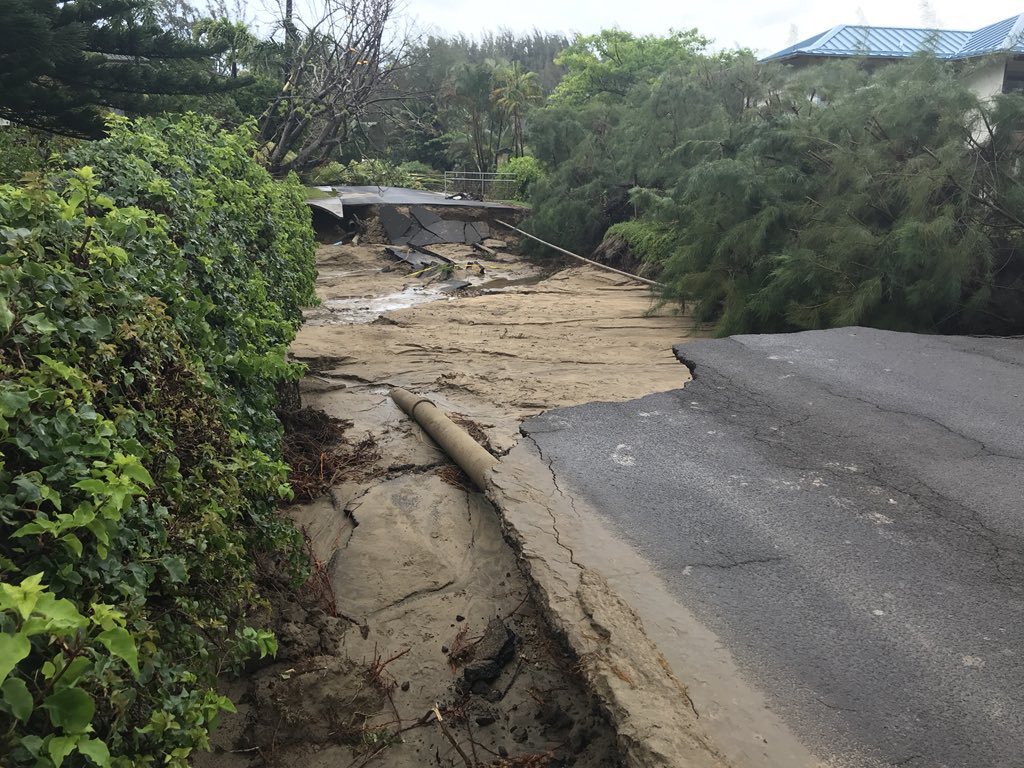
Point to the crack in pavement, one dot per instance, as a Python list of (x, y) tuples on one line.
[(572, 502), (737, 563)]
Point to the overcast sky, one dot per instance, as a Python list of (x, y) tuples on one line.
[(764, 27)]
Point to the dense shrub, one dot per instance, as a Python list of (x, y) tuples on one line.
[(527, 171), (23, 150), (147, 293), (364, 173)]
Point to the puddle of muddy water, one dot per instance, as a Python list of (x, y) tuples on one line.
[(364, 309)]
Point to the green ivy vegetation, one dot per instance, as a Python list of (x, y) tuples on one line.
[(148, 289)]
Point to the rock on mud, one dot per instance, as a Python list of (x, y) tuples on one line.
[(496, 649)]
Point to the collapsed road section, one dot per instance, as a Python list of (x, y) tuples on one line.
[(423, 641)]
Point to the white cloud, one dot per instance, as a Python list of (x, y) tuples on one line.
[(747, 23)]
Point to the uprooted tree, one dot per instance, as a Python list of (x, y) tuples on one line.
[(335, 70)]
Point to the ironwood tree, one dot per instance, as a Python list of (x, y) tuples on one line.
[(773, 200), (63, 65)]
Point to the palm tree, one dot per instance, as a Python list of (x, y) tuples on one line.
[(518, 91)]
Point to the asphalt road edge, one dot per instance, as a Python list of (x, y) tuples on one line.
[(654, 719)]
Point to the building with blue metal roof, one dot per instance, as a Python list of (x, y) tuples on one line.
[(856, 41), (1002, 43)]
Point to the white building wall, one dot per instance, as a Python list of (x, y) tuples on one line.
[(987, 79)]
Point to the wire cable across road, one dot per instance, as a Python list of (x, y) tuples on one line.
[(597, 264)]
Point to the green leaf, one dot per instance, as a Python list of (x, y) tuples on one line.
[(73, 543), (96, 751), (175, 567), (72, 672), (17, 697), (93, 486), (138, 473), (6, 316), (39, 323), (13, 648), (13, 401), (71, 709), (120, 643), (60, 747), (59, 613)]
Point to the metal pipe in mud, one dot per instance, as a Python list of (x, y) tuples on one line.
[(455, 441), (591, 262)]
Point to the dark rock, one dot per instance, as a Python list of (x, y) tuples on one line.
[(520, 735), (482, 669), (494, 650), (484, 720), (481, 688), (444, 649), (460, 618), (405, 686), (502, 752), (494, 696)]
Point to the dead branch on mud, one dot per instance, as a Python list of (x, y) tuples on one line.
[(321, 456)]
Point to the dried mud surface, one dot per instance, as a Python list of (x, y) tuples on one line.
[(419, 606), (502, 354)]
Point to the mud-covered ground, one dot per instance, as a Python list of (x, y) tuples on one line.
[(419, 608)]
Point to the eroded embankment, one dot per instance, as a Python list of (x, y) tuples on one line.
[(428, 604)]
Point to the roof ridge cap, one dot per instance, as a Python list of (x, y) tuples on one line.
[(831, 33), (1013, 36)]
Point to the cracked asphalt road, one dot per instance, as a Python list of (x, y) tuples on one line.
[(845, 510)]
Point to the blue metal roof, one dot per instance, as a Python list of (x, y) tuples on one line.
[(1004, 35), (849, 40)]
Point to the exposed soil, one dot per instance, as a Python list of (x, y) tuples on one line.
[(418, 609)]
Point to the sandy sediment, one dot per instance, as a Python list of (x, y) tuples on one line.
[(429, 605)]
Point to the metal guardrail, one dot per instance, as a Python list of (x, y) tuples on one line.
[(485, 185)]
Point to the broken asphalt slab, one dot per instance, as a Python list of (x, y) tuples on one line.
[(839, 510)]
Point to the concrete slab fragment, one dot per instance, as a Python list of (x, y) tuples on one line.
[(396, 224)]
